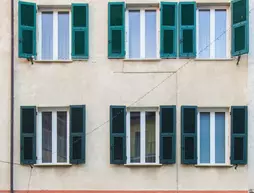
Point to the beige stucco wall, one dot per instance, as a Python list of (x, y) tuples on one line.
[(100, 82)]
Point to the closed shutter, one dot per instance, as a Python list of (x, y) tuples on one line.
[(77, 134), (80, 31), (117, 134), (189, 134), (168, 29), (187, 29), (167, 134), (239, 134), (240, 27), (28, 135), (27, 29), (116, 30)]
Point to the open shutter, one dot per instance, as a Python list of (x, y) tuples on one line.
[(187, 29), (27, 29), (189, 134), (239, 132), (77, 134), (116, 30), (240, 27), (168, 29), (80, 31), (28, 135), (117, 134), (167, 134)]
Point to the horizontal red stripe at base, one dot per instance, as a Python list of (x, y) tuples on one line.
[(124, 191)]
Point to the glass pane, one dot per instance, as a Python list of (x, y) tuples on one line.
[(46, 137), (77, 120), (168, 15), (167, 120), (61, 136), (28, 148), (239, 11), (79, 15), (27, 45), (134, 34), (220, 28), (204, 137), (28, 121), (116, 15), (77, 147), (239, 38), (239, 121), (150, 137), (79, 42), (189, 120), (188, 41), (135, 136), (168, 42), (238, 148), (118, 148), (204, 33), (189, 145), (118, 116), (47, 36), (63, 36), (150, 34), (219, 137), (187, 14), (27, 15), (116, 41), (167, 147)]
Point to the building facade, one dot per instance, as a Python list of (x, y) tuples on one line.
[(127, 96)]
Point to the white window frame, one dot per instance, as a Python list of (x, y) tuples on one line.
[(212, 112), (142, 31), (212, 30), (142, 134), (55, 33), (54, 135)]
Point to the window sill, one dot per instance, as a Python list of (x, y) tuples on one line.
[(141, 59), (51, 165), (213, 165), (53, 61), (214, 59), (143, 165)]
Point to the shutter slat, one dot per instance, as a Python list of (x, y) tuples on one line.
[(80, 31), (77, 134), (28, 135), (168, 29), (187, 29), (240, 27), (167, 134), (27, 29), (189, 134), (239, 134), (117, 134), (116, 30)]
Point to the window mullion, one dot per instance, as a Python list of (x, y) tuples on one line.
[(128, 136), (39, 138), (68, 136), (198, 138), (197, 36), (127, 33), (70, 37), (157, 137), (142, 33), (54, 137), (39, 45), (55, 35), (212, 138), (212, 33), (142, 137)]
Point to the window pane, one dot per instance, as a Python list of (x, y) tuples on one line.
[(63, 36), (204, 33), (150, 137), (150, 34), (61, 136), (46, 137), (134, 34), (47, 36), (219, 137), (135, 136), (220, 28), (204, 137)]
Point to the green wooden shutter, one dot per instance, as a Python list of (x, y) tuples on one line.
[(240, 27), (187, 29), (167, 134), (28, 135), (117, 134), (77, 134), (27, 29), (168, 29), (239, 134), (80, 31), (116, 30), (189, 134)]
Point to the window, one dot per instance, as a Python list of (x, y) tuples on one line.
[(142, 136), (52, 136), (212, 34), (142, 33), (213, 136), (54, 35)]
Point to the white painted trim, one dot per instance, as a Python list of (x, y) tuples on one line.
[(128, 138), (142, 137), (39, 38), (55, 35), (142, 34), (39, 139), (212, 33), (198, 138), (157, 137), (197, 33), (54, 137), (70, 36), (212, 138), (158, 34), (127, 33)]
